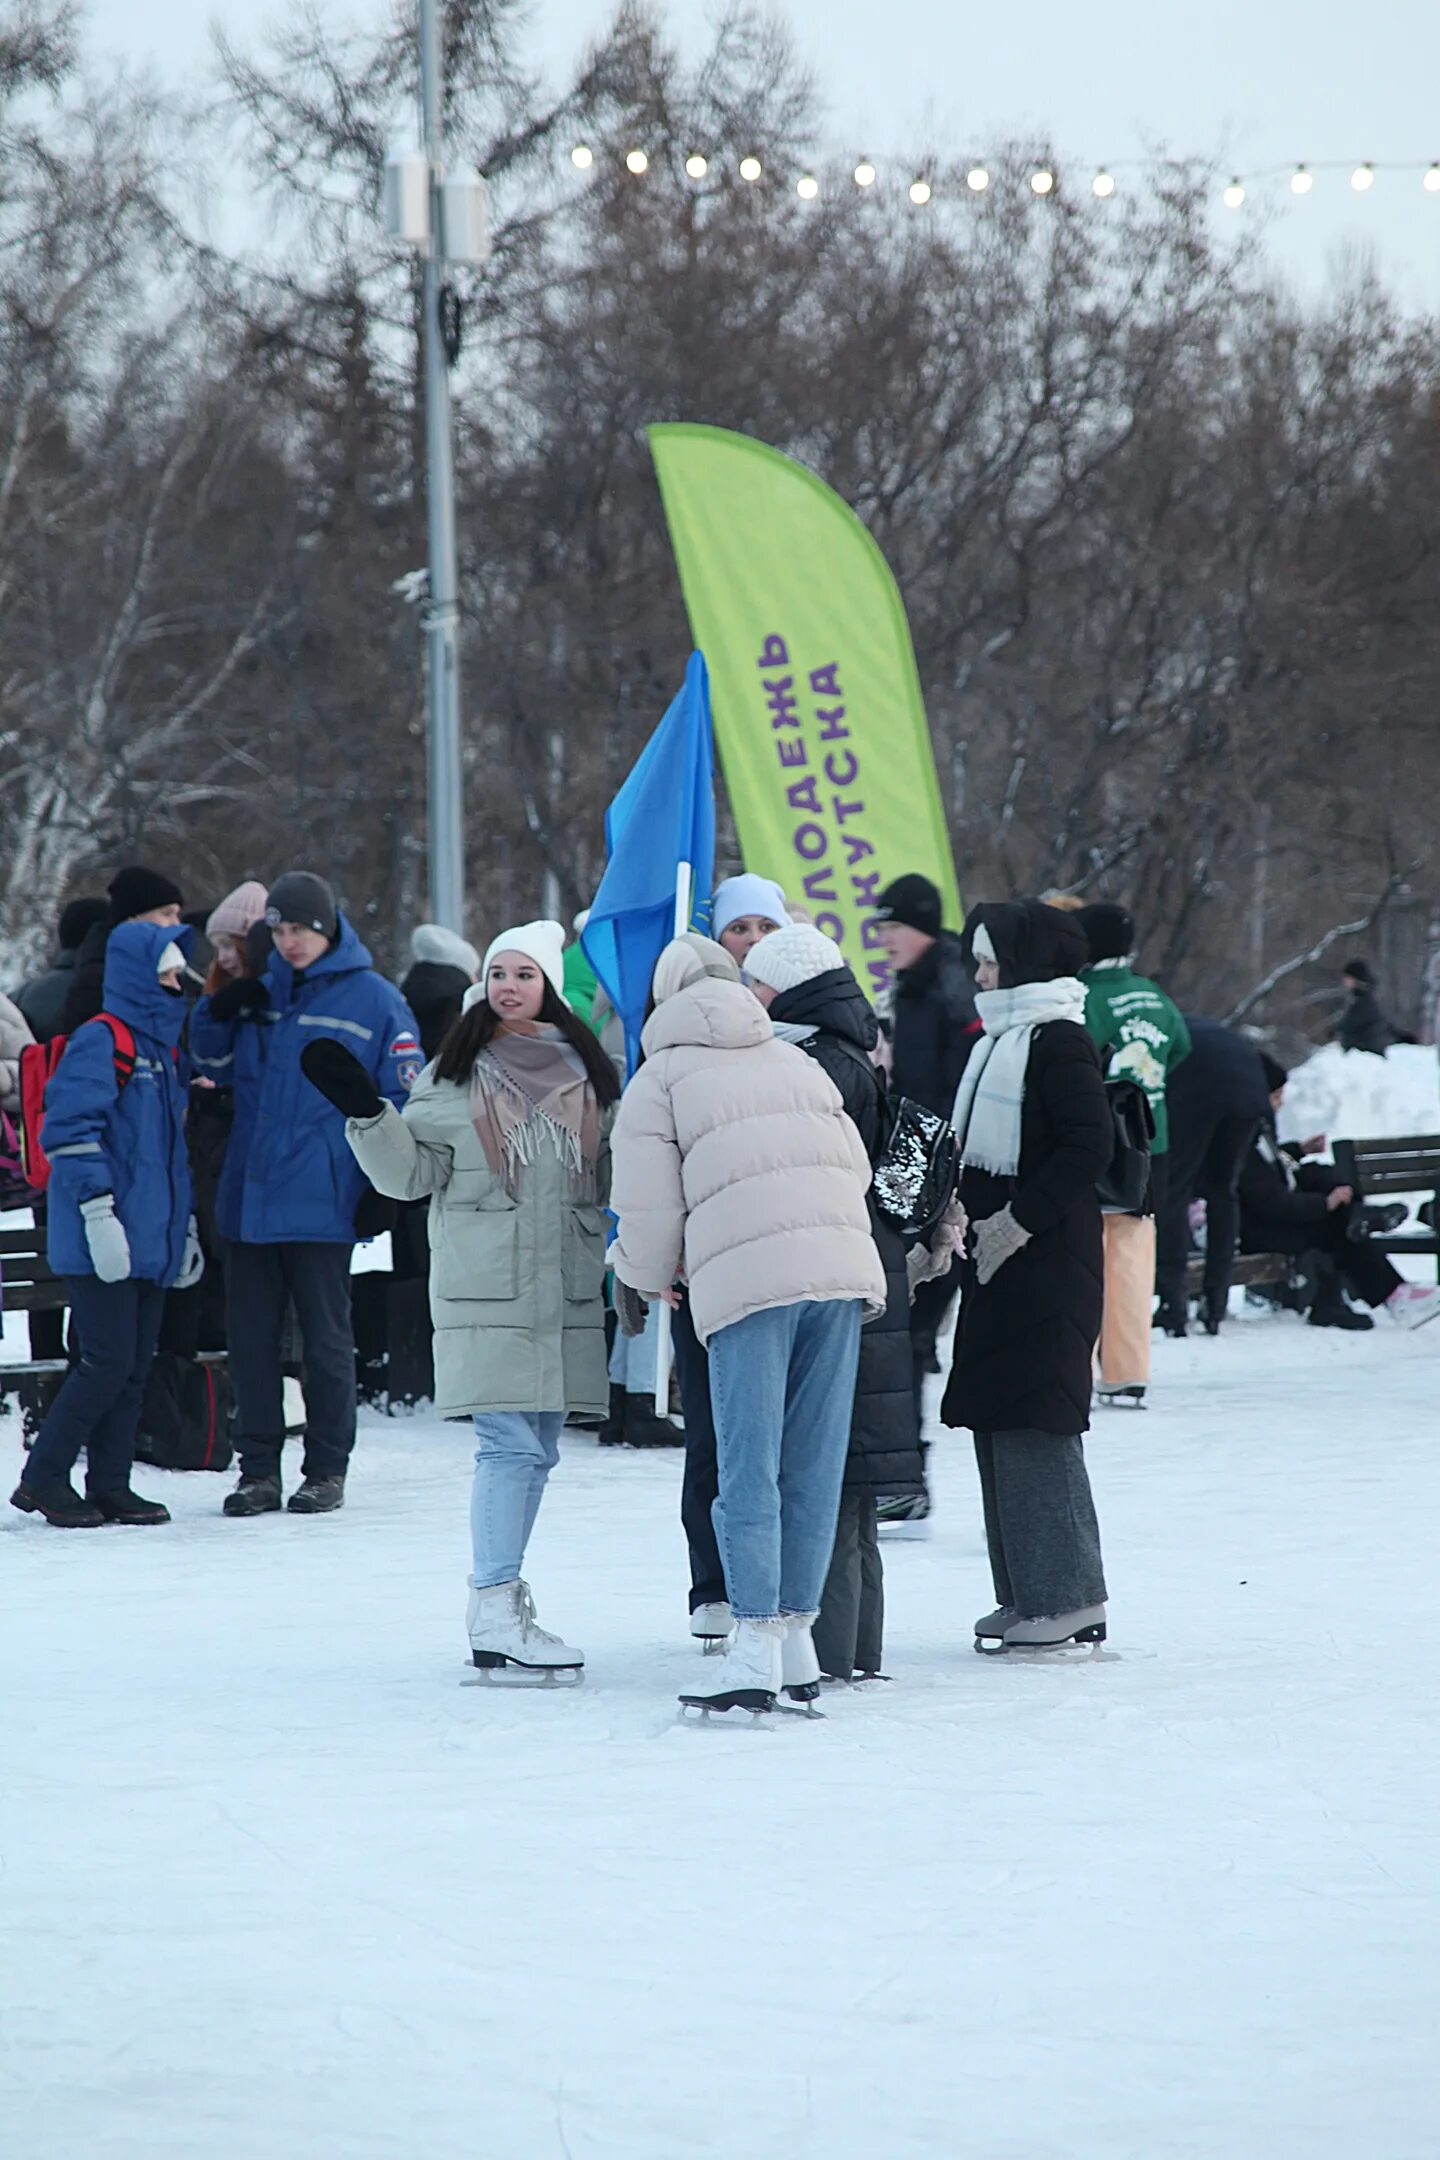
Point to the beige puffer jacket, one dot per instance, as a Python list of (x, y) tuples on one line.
[(736, 1166), (14, 1035)]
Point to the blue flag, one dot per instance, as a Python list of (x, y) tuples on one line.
[(663, 816)]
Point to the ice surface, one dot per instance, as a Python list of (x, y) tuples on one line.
[(277, 1887)]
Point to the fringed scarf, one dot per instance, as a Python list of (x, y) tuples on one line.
[(529, 1091)]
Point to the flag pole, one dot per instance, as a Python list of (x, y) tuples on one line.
[(664, 1350)]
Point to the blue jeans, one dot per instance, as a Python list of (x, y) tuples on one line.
[(98, 1406), (634, 1358), (518, 1449), (782, 1386)]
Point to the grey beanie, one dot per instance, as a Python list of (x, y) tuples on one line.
[(302, 896)]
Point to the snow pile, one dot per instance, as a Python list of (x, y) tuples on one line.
[(277, 1885), (1354, 1095)]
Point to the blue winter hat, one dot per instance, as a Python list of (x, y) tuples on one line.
[(748, 895)]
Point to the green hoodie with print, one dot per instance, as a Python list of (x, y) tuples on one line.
[(1142, 1030)]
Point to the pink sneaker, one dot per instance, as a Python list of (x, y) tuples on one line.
[(1412, 1305)]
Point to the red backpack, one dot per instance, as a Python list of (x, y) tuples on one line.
[(37, 1065)]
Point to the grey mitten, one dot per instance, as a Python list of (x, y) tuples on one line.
[(631, 1309), (997, 1240), (105, 1236), (192, 1266)]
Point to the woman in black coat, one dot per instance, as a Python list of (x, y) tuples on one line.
[(1035, 1133), (816, 1003)]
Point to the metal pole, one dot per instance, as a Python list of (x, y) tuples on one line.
[(442, 617)]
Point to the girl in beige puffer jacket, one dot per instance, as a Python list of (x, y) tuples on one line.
[(736, 1167)]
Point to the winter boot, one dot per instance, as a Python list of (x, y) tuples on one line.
[(992, 1628), (253, 1496), (799, 1666), (318, 1496), (612, 1432), (1212, 1312), (1087, 1625), (1172, 1319), (128, 1507), (59, 1504), (748, 1676), (1329, 1309), (711, 1625), (643, 1428), (1377, 1221), (504, 1634)]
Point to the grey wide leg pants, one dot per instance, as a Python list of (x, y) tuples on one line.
[(851, 1626), (1040, 1522)]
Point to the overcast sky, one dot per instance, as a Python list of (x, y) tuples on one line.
[(1256, 83)]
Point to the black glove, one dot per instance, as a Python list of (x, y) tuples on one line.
[(259, 945), (240, 998), (376, 1211), (341, 1078)]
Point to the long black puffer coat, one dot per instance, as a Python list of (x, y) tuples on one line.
[(884, 1452), (1024, 1350)]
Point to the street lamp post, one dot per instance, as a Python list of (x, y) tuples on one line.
[(441, 209)]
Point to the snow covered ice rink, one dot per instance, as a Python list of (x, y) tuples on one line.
[(277, 1887)]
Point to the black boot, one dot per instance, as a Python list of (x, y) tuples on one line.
[(643, 1428), (128, 1507), (318, 1496), (59, 1504), (1212, 1312), (612, 1432), (1171, 1318), (254, 1496), (1331, 1310)]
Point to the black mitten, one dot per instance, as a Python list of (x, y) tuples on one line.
[(341, 1078), (375, 1212), (239, 999)]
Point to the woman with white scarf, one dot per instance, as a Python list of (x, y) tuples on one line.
[(1035, 1133), (508, 1129)]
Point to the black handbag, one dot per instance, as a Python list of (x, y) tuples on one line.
[(917, 1175), (1124, 1189)]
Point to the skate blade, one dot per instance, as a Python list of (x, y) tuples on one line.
[(1089, 1641), (800, 1710), (711, 1645), (510, 1675), (755, 1706)]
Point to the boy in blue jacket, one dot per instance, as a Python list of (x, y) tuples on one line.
[(120, 1227), (292, 1200)]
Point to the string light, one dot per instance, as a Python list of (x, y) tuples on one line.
[(1301, 181), (864, 174), (582, 157), (697, 166), (750, 168), (1234, 196), (1431, 179), (977, 179), (1103, 185), (807, 187), (1043, 181), (919, 193), (1362, 178), (636, 161)]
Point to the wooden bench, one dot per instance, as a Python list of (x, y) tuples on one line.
[(1395, 1169), (1247, 1269), (31, 1284)]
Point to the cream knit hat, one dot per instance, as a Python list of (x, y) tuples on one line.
[(787, 958), (542, 942)]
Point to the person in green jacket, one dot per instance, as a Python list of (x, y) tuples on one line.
[(1141, 1035)]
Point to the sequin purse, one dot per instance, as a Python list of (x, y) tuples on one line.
[(916, 1177)]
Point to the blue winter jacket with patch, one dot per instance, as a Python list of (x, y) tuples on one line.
[(129, 1141), (289, 1176)]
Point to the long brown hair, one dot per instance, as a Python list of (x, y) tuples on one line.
[(478, 1027)]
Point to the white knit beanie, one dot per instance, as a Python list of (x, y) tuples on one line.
[(747, 895), (542, 942), (787, 958), (431, 942)]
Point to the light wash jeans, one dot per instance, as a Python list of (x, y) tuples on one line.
[(634, 1358), (517, 1451), (782, 1386)]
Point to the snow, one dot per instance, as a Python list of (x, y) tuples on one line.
[(1354, 1095), (275, 1883)]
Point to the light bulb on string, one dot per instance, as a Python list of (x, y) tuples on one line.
[(807, 187), (865, 173), (977, 179), (920, 193), (1363, 178), (697, 166), (582, 157), (1043, 181), (750, 168), (1104, 185), (636, 162), (1233, 196), (1301, 181), (1430, 179)]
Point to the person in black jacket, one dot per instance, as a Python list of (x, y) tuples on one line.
[(1288, 1205), (136, 895), (446, 964), (933, 1030), (1362, 1025), (42, 1000), (816, 1003), (1217, 1099), (1035, 1132)]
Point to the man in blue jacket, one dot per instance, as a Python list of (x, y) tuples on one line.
[(119, 1227), (292, 1199)]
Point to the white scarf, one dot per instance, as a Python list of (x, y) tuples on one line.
[(991, 1093)]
